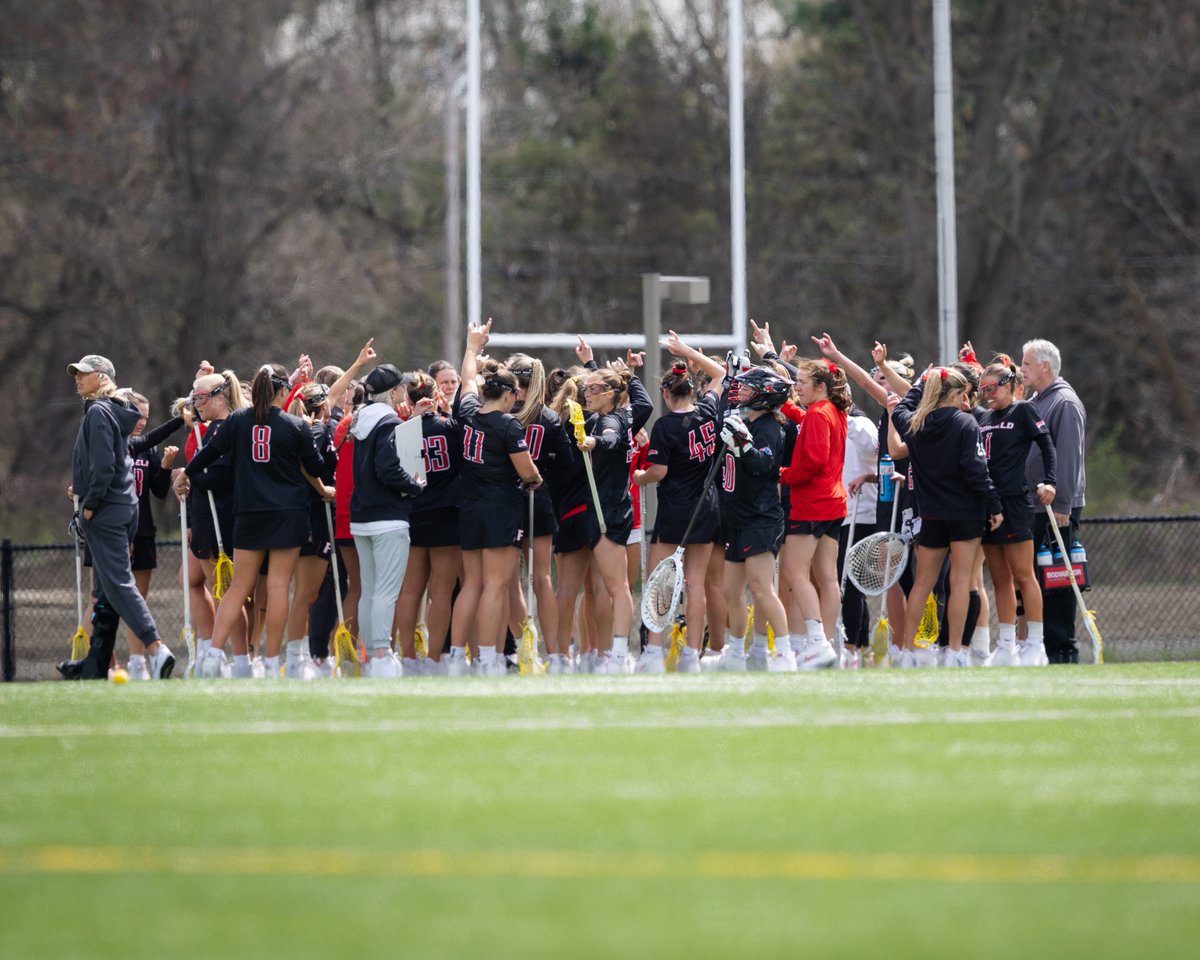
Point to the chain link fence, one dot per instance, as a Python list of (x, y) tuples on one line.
[(1145, 573)]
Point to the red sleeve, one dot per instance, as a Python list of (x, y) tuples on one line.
[(792, 412)]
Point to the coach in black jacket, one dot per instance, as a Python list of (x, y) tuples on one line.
[(102, 478)]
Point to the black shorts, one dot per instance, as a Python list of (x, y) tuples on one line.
[(815, 528), (619, 526), (672, 521), (1018, 521), (576, 530), (487, 526), (204, 539), (939, 534), (270, 530), (145, 553), (318, 543), (544, 522), (742, 544), (434, 528)]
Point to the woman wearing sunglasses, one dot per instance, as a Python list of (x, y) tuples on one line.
[(1010, 427)]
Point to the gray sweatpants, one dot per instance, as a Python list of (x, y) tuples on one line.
[(108, 534), (382, 559)]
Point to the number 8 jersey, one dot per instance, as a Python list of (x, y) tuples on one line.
[(266, 460)]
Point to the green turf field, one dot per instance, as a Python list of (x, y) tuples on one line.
[(983, 813)]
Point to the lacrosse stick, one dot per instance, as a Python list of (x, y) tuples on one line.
[(876, 562), (575, 415), (187, 634), (345, 654), (1089, 616), (528, 662), (80, 642), (840, 636), (664, 587), (223, 575)]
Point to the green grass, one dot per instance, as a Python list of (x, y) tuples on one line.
[(921, 814)]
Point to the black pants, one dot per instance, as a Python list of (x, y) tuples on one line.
[(855, 616), (1058, 606)]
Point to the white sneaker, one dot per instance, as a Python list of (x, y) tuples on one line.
[(211, 664), (783, 660), (436, 668), (732, 660), (385, 667), (497, 668), (1030, 654), (456, 663), (941, 656), (651, 661), (816, 655), (1005, 655), (411, 667), (905, 659), (161, 662), (243, 670), (324, 668), (555, 666), (689, 661), (851, 659), (710, 661), (756, 659), (924, 657), (300, 668), (981, 656), (956, 658), (895, 654), (137, 668), (258, 669)]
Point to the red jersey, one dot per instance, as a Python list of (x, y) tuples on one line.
[(815, 473), (343, 442)]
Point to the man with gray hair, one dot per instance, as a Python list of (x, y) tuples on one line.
[(1060, 407)]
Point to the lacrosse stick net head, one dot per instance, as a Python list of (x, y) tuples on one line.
[(222, 576), (660, 599), (876, 562), (345, 653)]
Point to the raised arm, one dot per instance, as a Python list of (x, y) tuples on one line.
[(477, 338), (341, 384), (856, 373)]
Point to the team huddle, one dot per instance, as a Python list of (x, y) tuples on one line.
[(327, 534)]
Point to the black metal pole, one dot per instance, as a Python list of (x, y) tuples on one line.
[(8, 655)]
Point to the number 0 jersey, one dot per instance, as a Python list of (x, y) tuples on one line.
[(750, 483)]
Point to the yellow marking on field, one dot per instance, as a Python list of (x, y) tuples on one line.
[(571, 865)]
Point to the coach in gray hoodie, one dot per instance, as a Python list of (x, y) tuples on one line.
[(1062, 410), (102, 482)]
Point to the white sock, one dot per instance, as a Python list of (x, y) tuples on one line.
[(758, 642), (241, 660), (202, 646), (783, 642), (296, 648), (136, 658), (620, 646), (814, 630), (458, 653), (486, 654), (689, 653), (271, 665), (1035, 632), (1007, 635), (736, 644), (981, 641), (652, 652)]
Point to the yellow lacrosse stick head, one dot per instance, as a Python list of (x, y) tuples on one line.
[(345, 655), (420, 642), (79, 644), (222, 576), (927, 629), (575, 415), (675, 647)]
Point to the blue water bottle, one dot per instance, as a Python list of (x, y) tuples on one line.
[(887, 489)]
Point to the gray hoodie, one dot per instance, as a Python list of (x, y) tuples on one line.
[(1066, 419), (101, 469)]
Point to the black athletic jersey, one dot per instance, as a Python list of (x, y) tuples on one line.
[(611, 456), (443, 454), (488, 441), (550, 448), (267, 460), (149, 477), (685, 444), (569, 490), (216, 478), (750, 483), (791, 431), (1007, 436), (904, 492), (322, 434)]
